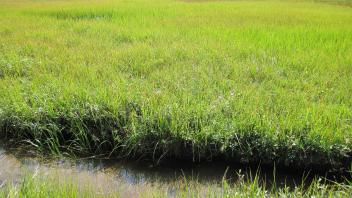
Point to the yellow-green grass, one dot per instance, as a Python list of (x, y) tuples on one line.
[(250, 81), (51, 185)]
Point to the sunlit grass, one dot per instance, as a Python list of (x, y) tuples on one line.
[(51, 185), (251, 81)]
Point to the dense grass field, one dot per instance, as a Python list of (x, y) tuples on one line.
[(249, 81)]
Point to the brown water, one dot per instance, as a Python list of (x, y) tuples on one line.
[(133, 178), (101, 178)]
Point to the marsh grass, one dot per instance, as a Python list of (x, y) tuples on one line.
[(250, 81)]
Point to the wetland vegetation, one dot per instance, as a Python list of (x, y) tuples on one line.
[(252, 82)]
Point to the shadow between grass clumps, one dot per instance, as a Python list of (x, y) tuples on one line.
[(76, 15), (87, 15), (93, 131)]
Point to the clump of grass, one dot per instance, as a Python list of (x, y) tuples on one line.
[(46, 186), (14, 65)]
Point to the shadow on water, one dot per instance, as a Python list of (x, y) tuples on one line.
[(144, 173)]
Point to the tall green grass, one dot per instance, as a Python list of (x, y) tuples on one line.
[(250, 81)]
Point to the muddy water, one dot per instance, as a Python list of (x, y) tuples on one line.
[(132, 178), (101, 177)]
